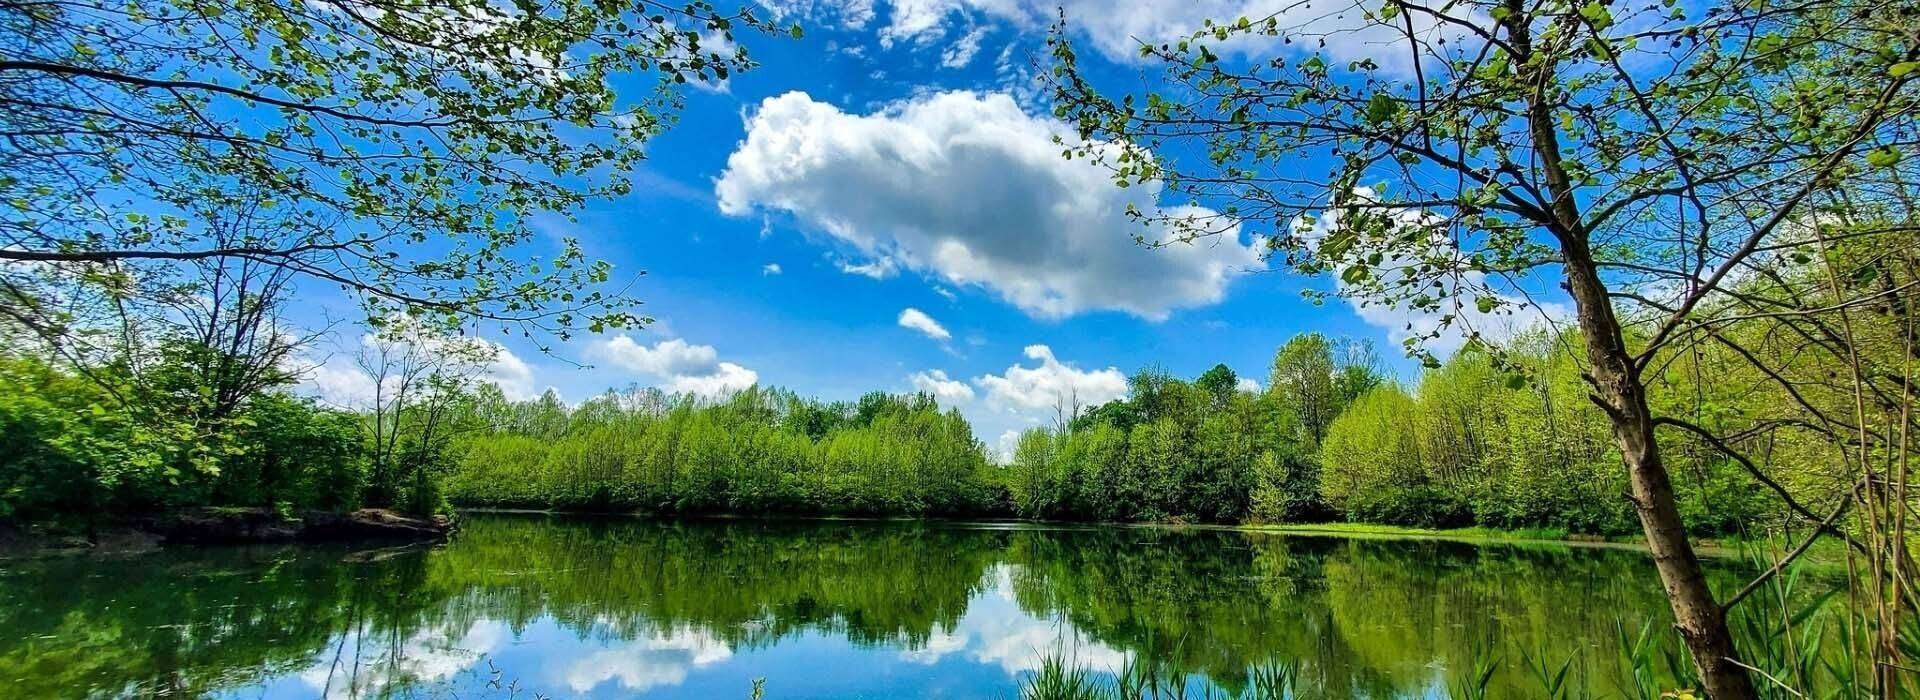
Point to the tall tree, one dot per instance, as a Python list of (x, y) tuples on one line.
[(1217, 385), (1303, 379), (1649, 155)]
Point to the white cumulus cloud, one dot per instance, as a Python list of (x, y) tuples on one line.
[(915, 319), (770, 269), (1051, 384), (949, 391), (971, 190), (678, 366)]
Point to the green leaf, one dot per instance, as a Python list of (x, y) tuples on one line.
[(1597, 15), (1865, 274), (1900, 69), (1382, 109), (1883, 157)]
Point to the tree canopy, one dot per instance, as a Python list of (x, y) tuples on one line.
[(400, 151)]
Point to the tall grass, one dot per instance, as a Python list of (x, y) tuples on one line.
[(1058, 678)]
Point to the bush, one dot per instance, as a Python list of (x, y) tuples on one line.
[(1418, 506), (1286, 488)]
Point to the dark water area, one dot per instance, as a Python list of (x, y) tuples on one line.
[(612, 607)]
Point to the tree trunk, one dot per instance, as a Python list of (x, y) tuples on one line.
[(1620, 392)]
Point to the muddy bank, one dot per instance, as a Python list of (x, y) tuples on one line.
[(229, 526)]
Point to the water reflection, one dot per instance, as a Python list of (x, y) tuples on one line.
[(616, 607)]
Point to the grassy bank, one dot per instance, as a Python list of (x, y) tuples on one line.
[(1476, 534), (1828, 552)]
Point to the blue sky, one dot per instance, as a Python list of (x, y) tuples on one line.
[(895, 159)]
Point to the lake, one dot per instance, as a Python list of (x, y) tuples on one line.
[(519, 605)]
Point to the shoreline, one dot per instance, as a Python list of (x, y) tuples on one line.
[(1706, 547), (219, 526), (224, 526)]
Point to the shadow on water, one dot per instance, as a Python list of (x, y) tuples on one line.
[(615, 607)]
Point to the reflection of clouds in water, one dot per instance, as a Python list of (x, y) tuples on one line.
[(657, 660), (995, 630), (1018, 643), (939, 644), (429, 656)]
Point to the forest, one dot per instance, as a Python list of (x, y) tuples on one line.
[(1503, 441)]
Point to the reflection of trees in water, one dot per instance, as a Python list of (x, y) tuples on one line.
[(195, 620), (749, 583), (1357, 617), (183, 623)]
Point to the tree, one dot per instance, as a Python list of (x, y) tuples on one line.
[(1358, 370), (400, 151), (1218, 385), (1650, 156), (1370, 452), (419, 378), (1303, 379)]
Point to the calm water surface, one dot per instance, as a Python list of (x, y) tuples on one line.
[(612, 607)]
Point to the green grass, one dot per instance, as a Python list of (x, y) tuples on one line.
[(1461, 533), (1826, 556)]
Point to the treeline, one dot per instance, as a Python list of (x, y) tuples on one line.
[(1507, 441), (1199, 451), (205, 414), (1511, 442), (757, 451)]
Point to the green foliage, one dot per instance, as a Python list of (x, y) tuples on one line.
[(399, 152), (1368, 451), (1286, 486), (1302, 377), (1058, 678), (1467, 447), (291, 452), (1470, 446), (80, 449), (757, 451), (68, 447), (1201, 451)]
